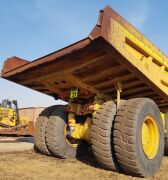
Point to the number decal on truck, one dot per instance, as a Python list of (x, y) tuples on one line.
[(74, 93)]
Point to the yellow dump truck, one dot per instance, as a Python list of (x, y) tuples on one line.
[(115, 82)]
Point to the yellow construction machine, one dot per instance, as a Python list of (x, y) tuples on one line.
[(11, 122), (9, 116)]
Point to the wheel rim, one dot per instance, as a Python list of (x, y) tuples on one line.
[(150, 137)]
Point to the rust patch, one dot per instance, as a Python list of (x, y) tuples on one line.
[(13, 63)]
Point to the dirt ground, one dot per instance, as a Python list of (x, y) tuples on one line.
[(28, 165)]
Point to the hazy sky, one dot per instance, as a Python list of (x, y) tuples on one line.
[(32, 28)]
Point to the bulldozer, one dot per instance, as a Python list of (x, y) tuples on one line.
[(15, 121), (9, 116), (115, 83)]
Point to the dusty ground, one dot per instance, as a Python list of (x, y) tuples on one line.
[(16, 164), (29, 165)]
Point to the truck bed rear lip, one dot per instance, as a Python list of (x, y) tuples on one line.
[(50, 57)]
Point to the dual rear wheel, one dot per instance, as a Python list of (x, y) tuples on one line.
[(129, 139), (51, 137), (40, 130)]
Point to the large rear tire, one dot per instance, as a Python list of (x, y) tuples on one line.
[(40, 130), (139, 137), (102, 136), (57, 142)]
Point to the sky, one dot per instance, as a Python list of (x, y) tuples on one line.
[(30, 29)]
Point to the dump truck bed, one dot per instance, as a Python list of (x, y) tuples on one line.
[(113, 52)]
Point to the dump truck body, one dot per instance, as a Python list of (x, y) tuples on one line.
[(114, 81), (114, 51)]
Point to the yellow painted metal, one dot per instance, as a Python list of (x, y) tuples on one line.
[(8, 117), (78, 131), (71, 120), (141, 45), (74, 93), (141, 54), (150, 137), (74, 145), (24, 120), (83, 131), (118, 87), (163, 121), (97, 104)]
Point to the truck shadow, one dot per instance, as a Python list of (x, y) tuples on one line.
[(25, 139), (86, 156)]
